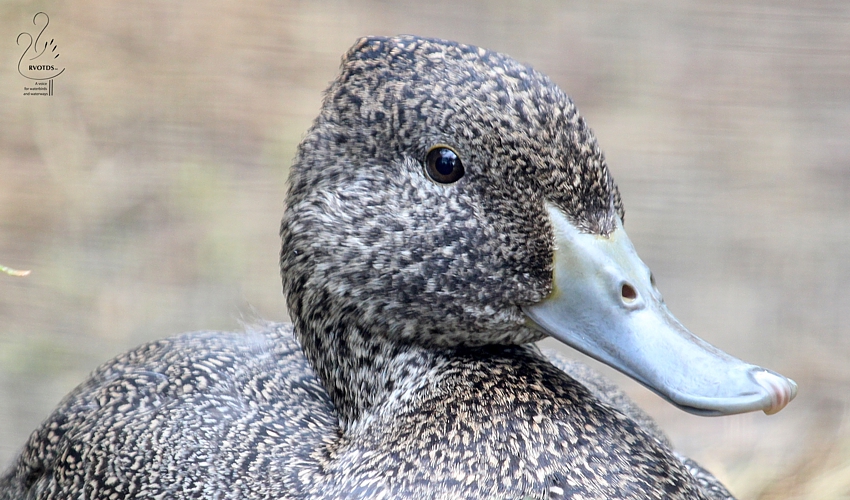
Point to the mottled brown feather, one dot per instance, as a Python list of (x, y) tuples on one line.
[(408, 371)]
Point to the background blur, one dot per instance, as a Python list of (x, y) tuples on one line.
[(146, 193)]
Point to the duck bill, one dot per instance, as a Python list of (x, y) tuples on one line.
[(604, 303)]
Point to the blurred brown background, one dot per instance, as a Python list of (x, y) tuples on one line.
[(146, 193)]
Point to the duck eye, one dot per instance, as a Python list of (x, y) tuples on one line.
[(443, 165)]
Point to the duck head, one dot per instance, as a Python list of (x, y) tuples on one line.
[(448, 196)]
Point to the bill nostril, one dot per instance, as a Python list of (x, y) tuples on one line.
[(628, 293)]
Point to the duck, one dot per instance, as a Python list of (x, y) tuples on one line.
[(448, 208)]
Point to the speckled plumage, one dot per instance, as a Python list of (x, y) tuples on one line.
[(408, 371)]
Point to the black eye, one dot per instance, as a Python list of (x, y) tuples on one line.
[(443, 165)]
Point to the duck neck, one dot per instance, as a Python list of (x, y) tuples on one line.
[(363, 372)]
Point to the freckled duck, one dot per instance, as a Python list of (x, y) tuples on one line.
[(448, 208)]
